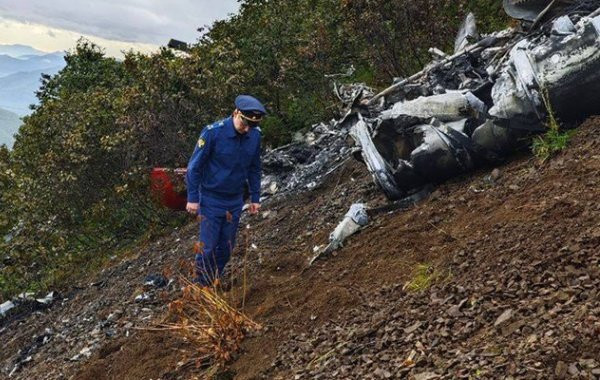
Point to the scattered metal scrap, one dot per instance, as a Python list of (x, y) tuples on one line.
[(24, 303), (468, 109), (305, 163), (5, 307)]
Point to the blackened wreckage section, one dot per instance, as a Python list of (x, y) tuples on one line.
[(464, 110)]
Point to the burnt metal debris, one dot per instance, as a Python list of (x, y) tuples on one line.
[(304, 163), (481, 102), (23, 304), (463, 110)]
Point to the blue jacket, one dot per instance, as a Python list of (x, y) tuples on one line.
[(223, 162)]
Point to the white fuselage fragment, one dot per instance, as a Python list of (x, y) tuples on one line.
[(451, 106), (566, 67)]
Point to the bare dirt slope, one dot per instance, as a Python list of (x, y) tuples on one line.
[(517, 265), (512, 260)]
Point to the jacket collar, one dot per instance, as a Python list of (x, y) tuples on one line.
[(230, 129)]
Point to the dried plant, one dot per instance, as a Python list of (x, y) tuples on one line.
[(215, 328)]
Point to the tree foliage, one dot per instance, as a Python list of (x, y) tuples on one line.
[(395, 35)]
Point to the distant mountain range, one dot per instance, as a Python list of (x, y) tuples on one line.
[(10, 65), (17, 91), (18, 50), (21, 67)]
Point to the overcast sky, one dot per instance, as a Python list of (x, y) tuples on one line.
[(52, 25)]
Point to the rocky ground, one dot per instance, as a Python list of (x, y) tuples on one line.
[(516, 284), (495, 275)]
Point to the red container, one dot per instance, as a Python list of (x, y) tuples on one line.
[(168, 187)]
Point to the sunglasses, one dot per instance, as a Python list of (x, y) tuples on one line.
[(249, 120)]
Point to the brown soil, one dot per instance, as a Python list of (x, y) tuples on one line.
[(515, 242), (148, 355)]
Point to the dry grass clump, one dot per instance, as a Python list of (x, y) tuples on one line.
[(215, 328)]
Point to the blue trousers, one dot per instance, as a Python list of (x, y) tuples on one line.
[(218, 229)]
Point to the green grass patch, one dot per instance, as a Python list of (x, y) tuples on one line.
[(550, 143), (424, 276), (553, 141)]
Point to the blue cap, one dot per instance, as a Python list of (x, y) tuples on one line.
[(247, 103)]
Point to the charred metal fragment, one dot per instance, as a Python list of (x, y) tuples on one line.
[(441, 153), (425, 140), (475, 48), (467, 33), (527, 10), (379, 168), (493, 142), (567, 68)]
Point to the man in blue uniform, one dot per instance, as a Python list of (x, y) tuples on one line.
[(226, 159)]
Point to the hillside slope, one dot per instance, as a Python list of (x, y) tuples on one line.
[(515, 264), (512, 260), (9, 125), (17, 90)]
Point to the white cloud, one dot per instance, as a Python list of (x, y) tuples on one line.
[(49, 39), (141, 21)]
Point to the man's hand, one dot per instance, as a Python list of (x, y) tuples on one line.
[(254, 207), (192, 208)]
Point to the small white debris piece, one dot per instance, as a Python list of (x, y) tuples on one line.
[(5, 307), (563, 26), (254, 246), (273, 187), (14, 370), (353, 221), (504, 317), (87, 352), (46, 300), (142, 297)]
